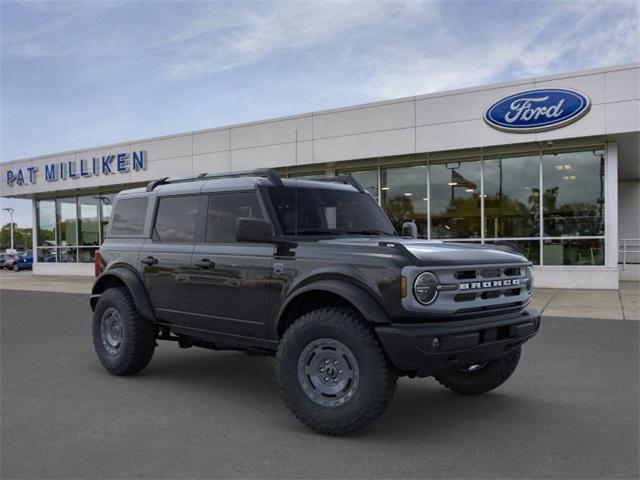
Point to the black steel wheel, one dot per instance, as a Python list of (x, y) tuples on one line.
[(123, 341), (332, 372)]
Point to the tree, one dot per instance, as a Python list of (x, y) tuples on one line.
[(22, 237)]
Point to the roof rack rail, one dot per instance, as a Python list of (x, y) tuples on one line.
[(347, 179), (269, 173)]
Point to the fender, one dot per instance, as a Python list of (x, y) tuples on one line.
[(133, 282), (363, 301)]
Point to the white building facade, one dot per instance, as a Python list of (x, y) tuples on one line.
[(550, 165)]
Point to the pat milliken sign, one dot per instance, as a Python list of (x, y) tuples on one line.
[(537, 110), (117, 163)]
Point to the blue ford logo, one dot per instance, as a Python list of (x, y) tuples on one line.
[(537, 110)]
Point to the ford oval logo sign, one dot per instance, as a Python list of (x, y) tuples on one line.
[(537, 110)]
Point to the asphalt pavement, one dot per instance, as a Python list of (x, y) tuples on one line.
[(569, 411)]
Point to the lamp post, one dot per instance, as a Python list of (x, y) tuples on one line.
[(11, 212)]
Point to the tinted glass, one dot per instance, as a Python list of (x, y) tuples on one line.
[(176, 219), (128, 218), (67, 221), (512, 197), (106, 204), (88, 221), (224, 209), (316, 211), (573, 199), (455, 200), (46, 219), (404, 196)]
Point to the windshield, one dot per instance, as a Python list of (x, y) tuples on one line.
[(325, 211)]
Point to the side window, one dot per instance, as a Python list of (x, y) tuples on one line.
[(176, 219), (128, 216), (224, 210)]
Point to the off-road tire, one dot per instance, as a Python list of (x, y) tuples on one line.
[(138, 339), (377, 377), (489, 377)]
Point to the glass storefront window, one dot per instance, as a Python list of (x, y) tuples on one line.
[(455, 199), (367, 178), (106, 204), (86, 255), (88, 222), (574, 252), (47, 254), (573, 198), (46, 222), (404, 196), (512, 197), (67, 221)]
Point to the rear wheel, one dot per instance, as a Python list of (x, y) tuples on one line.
[(124, 342), (332, 372), (481, 378)]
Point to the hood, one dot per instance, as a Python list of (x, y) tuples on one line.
[(437, 253)]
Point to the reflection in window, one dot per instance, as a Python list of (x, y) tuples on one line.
[(573, 198), (574, 252), (367, 178), (455, 200), (67, 221), (176, 219), (88, 221), (512, 197), (46, 220), (404, 196), (529, 248), (223, 212)]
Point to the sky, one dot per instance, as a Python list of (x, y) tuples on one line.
[(86, 73)]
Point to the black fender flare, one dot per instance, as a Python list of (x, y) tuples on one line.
[(362, 300), (133, 282)]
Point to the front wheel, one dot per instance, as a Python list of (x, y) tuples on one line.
[(124, 342), (482, 378), (16, 268), (332, 373)]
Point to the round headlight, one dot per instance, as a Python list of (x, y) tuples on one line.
[(425, 288), (529, 279)]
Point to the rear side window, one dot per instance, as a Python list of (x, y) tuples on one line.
[(224, 210), (176, 219), (128, 216)]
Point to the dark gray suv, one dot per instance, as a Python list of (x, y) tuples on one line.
[(313, 273)]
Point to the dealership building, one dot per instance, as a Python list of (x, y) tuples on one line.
[(550, 165)]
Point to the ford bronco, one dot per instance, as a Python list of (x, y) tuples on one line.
[(313, 273)]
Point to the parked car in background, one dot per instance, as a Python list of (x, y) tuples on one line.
[(7, 259), (23, 262)]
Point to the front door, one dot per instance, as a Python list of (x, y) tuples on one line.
[(231, 281), (166, 258)]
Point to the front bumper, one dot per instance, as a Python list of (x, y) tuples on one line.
[(430, 348)]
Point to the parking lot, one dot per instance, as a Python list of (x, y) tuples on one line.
[(569, 411)]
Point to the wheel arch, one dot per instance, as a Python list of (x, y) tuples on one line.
[(122, 276), (325, 293)]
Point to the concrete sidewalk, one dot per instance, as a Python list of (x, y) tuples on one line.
[(620, 304)]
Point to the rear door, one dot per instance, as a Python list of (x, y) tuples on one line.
[(230, 287), (166, 257)]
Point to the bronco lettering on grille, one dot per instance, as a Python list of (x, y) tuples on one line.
[(489, 284)]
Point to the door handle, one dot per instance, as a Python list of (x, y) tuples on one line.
[(204, 263), (149, 261)]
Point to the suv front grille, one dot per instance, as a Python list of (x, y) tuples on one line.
[(486, 290)]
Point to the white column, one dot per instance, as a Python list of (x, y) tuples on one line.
[(611, 205), (34, 232)]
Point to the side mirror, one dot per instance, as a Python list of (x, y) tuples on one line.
[(254, 230)]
